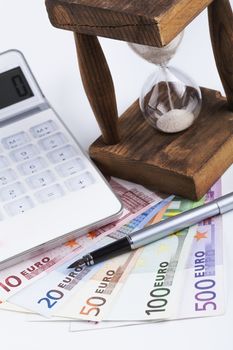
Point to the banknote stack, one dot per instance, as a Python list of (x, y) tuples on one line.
[(178, 277)]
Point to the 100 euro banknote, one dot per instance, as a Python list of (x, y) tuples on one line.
[(150, 289)]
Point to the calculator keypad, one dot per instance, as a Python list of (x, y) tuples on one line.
[(11, 191), (50, 193), (41, 179), (62, 154), (52, 142), (16, 140), (79, 182), (19, 206), (32, 166), (3, 162), (7, 176), (39, 165), (24, 153), (43, 129), (69, 168)]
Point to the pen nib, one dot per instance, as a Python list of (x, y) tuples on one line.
[(79, 262), (85, 260)]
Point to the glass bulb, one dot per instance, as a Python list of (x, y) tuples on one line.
[(158, 55), (170, 100)]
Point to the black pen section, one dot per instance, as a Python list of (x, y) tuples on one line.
[(113, 249)]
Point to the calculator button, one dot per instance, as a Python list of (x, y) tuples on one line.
[(43, 129), (24, 153), (3, 162), (71, 167), (7, 177), (32, 166), (15, 140), (52, 142), (49, 193), (19, 206), (79, 182), (41, 179), (12, 191), (62, 154)]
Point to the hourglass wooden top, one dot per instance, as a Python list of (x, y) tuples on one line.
[(151, 22)]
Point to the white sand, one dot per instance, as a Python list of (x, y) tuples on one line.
[(175, 120)]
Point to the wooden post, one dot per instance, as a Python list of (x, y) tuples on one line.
[(98, 85), (221, 31)]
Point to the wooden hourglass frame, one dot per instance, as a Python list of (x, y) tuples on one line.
[(186, 163)]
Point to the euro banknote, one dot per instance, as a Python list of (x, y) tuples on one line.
[(132, 273), (204, 269), (199, 283), (135, 198), (195, 261), (201, 290), (50, 292)]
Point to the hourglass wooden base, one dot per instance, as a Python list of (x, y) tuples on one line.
[(187, 163)]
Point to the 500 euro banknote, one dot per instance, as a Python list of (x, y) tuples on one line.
[(203, 271)]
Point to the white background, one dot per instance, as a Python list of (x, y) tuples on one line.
[(50, 52)]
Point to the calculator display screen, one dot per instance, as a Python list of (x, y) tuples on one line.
[(14, 87)]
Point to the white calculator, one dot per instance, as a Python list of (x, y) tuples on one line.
[(50, 191)]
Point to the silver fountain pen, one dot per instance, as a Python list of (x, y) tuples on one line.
[(157, 231)]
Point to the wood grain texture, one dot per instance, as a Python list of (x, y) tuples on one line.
[(187, 163), (98, 85), (221, 31), (151, 22)]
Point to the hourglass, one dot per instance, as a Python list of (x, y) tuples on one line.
[(177, 138), (170, 100)]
